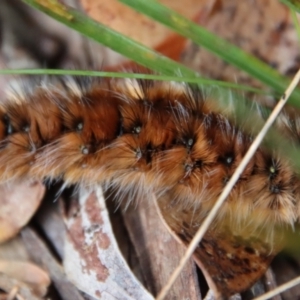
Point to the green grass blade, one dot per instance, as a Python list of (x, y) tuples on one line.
[(293, 4), (195, 80), (215, 44), (110, 38), (296, 23)]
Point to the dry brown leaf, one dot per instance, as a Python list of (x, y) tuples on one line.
[(263, 28), (231, 259), (159, 253), (19, 201), (93, 261), (139, 27), (31, 275), (15, 288), (18, 276)]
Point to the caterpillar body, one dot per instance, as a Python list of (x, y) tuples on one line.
[(153, 135), (146, 136)]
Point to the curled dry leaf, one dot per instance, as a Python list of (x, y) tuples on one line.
[(93, 261), (29, 274), (232, 258), (19, 278), (18, 289), (19, 201)]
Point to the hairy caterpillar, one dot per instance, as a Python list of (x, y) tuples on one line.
[(147, 136)]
